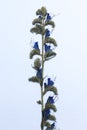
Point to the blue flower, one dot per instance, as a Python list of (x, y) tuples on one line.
[(39, 73), (46, 114), (36, 46), (50, 82), (53, 125), (48, 17), (47, 48), (47, 33), (50, 100)]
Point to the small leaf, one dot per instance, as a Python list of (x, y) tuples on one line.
[(49, 55), (37, 21), (52, 118), (41, 11), (44, 11), (38, 29), (47, 124), (37, 63), (50, 23), (50, 40), (51, 106), (34, 79), (48, 58), (52, 89), (39, 102), (34, 52)]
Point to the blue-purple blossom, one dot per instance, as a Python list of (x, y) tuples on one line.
[(50, 100), (39, 73), (46, 114), (50, 82), (53, 125), (47, 48), (36, 46), (47, 34), (48, 17)]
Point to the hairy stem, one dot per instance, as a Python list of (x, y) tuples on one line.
[(42, 73), (42, 106)]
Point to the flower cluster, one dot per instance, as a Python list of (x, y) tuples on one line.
[(41, 26)]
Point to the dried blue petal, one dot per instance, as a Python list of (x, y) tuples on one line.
[(40, 17), (50, 82), (47, 48), (50, 100), (39, 73), (46, 114), (47, 34), (36, 46), (48, 17)]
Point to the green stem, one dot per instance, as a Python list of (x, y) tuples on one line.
[(42, 71), (42, 106), (42, 81)]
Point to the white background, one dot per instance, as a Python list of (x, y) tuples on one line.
[(18, 108)]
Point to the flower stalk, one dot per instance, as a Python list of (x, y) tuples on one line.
[(46, 53)]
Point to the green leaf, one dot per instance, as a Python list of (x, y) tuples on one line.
[(46, 123), (51, 41), (44, 11), (34, 79), (41, 11), (52, 89), (51, 106), (38, 29), (50, 23), (39, 102), (52, 118), (37, 21), (34, 52), (37, 63), (49, 55)]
